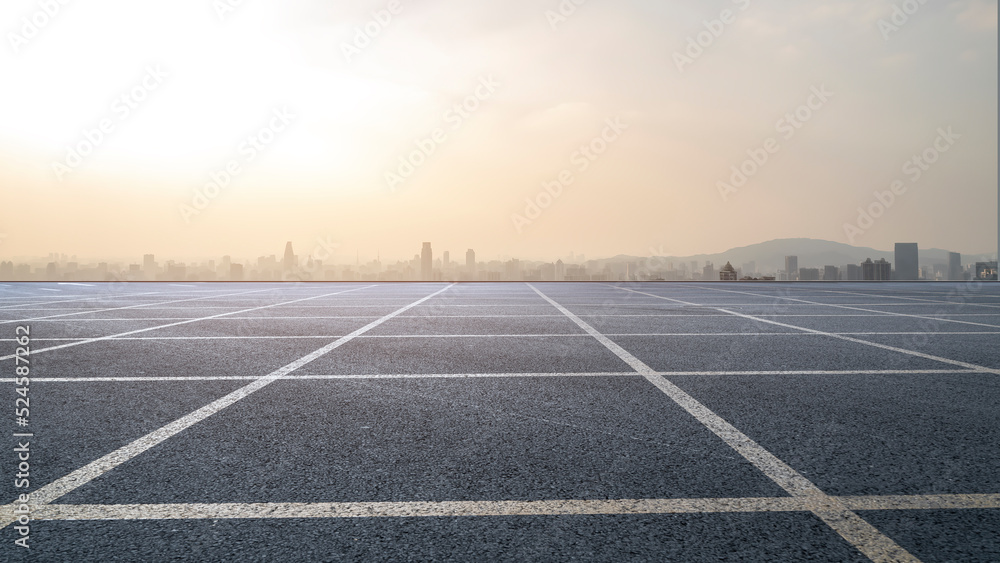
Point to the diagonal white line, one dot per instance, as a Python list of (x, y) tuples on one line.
[(966, 365), (27, 305), (84, 312), (886, 296), (178, 323), (807, 302), (95, 469), (862, 535)]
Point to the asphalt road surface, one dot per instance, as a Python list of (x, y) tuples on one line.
[(501, 422)]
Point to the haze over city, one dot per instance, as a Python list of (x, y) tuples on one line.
[(633, 127)]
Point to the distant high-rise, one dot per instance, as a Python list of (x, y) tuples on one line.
[(792, 267), (853, 272), (427, 263), (879, 270), (808, 274), (955, 267), (446, 259), (907, 262), (470, 260), (560, 270), (288, 262), (708, 272), (830, 273)]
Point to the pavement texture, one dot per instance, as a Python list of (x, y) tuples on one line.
[(507, 421)]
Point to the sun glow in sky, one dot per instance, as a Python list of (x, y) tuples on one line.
[(320, 121)]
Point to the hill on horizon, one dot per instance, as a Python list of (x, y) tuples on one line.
[(812, 253)]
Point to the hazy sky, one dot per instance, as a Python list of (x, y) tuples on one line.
[(312, 115)]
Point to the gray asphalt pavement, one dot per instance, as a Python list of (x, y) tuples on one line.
[(510, 422)]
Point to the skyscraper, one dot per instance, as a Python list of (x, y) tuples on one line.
[(427, 263), (792, 267), (288, 263), (879, 270), (470, 260), (907, 263), (446, 257), (955, 267)]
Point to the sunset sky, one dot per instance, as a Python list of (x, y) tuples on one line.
[(312, 117)]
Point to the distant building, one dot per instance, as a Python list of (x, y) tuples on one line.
[(808, 274), (792, 267), (853, 273), (708, 272), (560, 271), (7, 271), (955, 272), (446, 259), (470, 261), (879, 270), (427, 263), (986, 271), (728, 273), (288, 262), (831, 273), (236, 272), (907, 261), (512, 270)]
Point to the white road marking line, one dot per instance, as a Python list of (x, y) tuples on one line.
[(545, 335), (807, 302), (859, 533), (181, 285), (77, 284), (439, 509), (283, 318), (87, 311), (95, 469), (25, 305), (966, 365), (494, 375), (183, 322), (47, 289), (887, 296), (330, 377)]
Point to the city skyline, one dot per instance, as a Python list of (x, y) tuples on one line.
[(321, 265), (617, 128)]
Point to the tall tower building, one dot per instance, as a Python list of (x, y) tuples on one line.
[(907, 262), (792, 267), (288, 263), (427, 263), (446, 257), (470, 260), (955, 267)]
